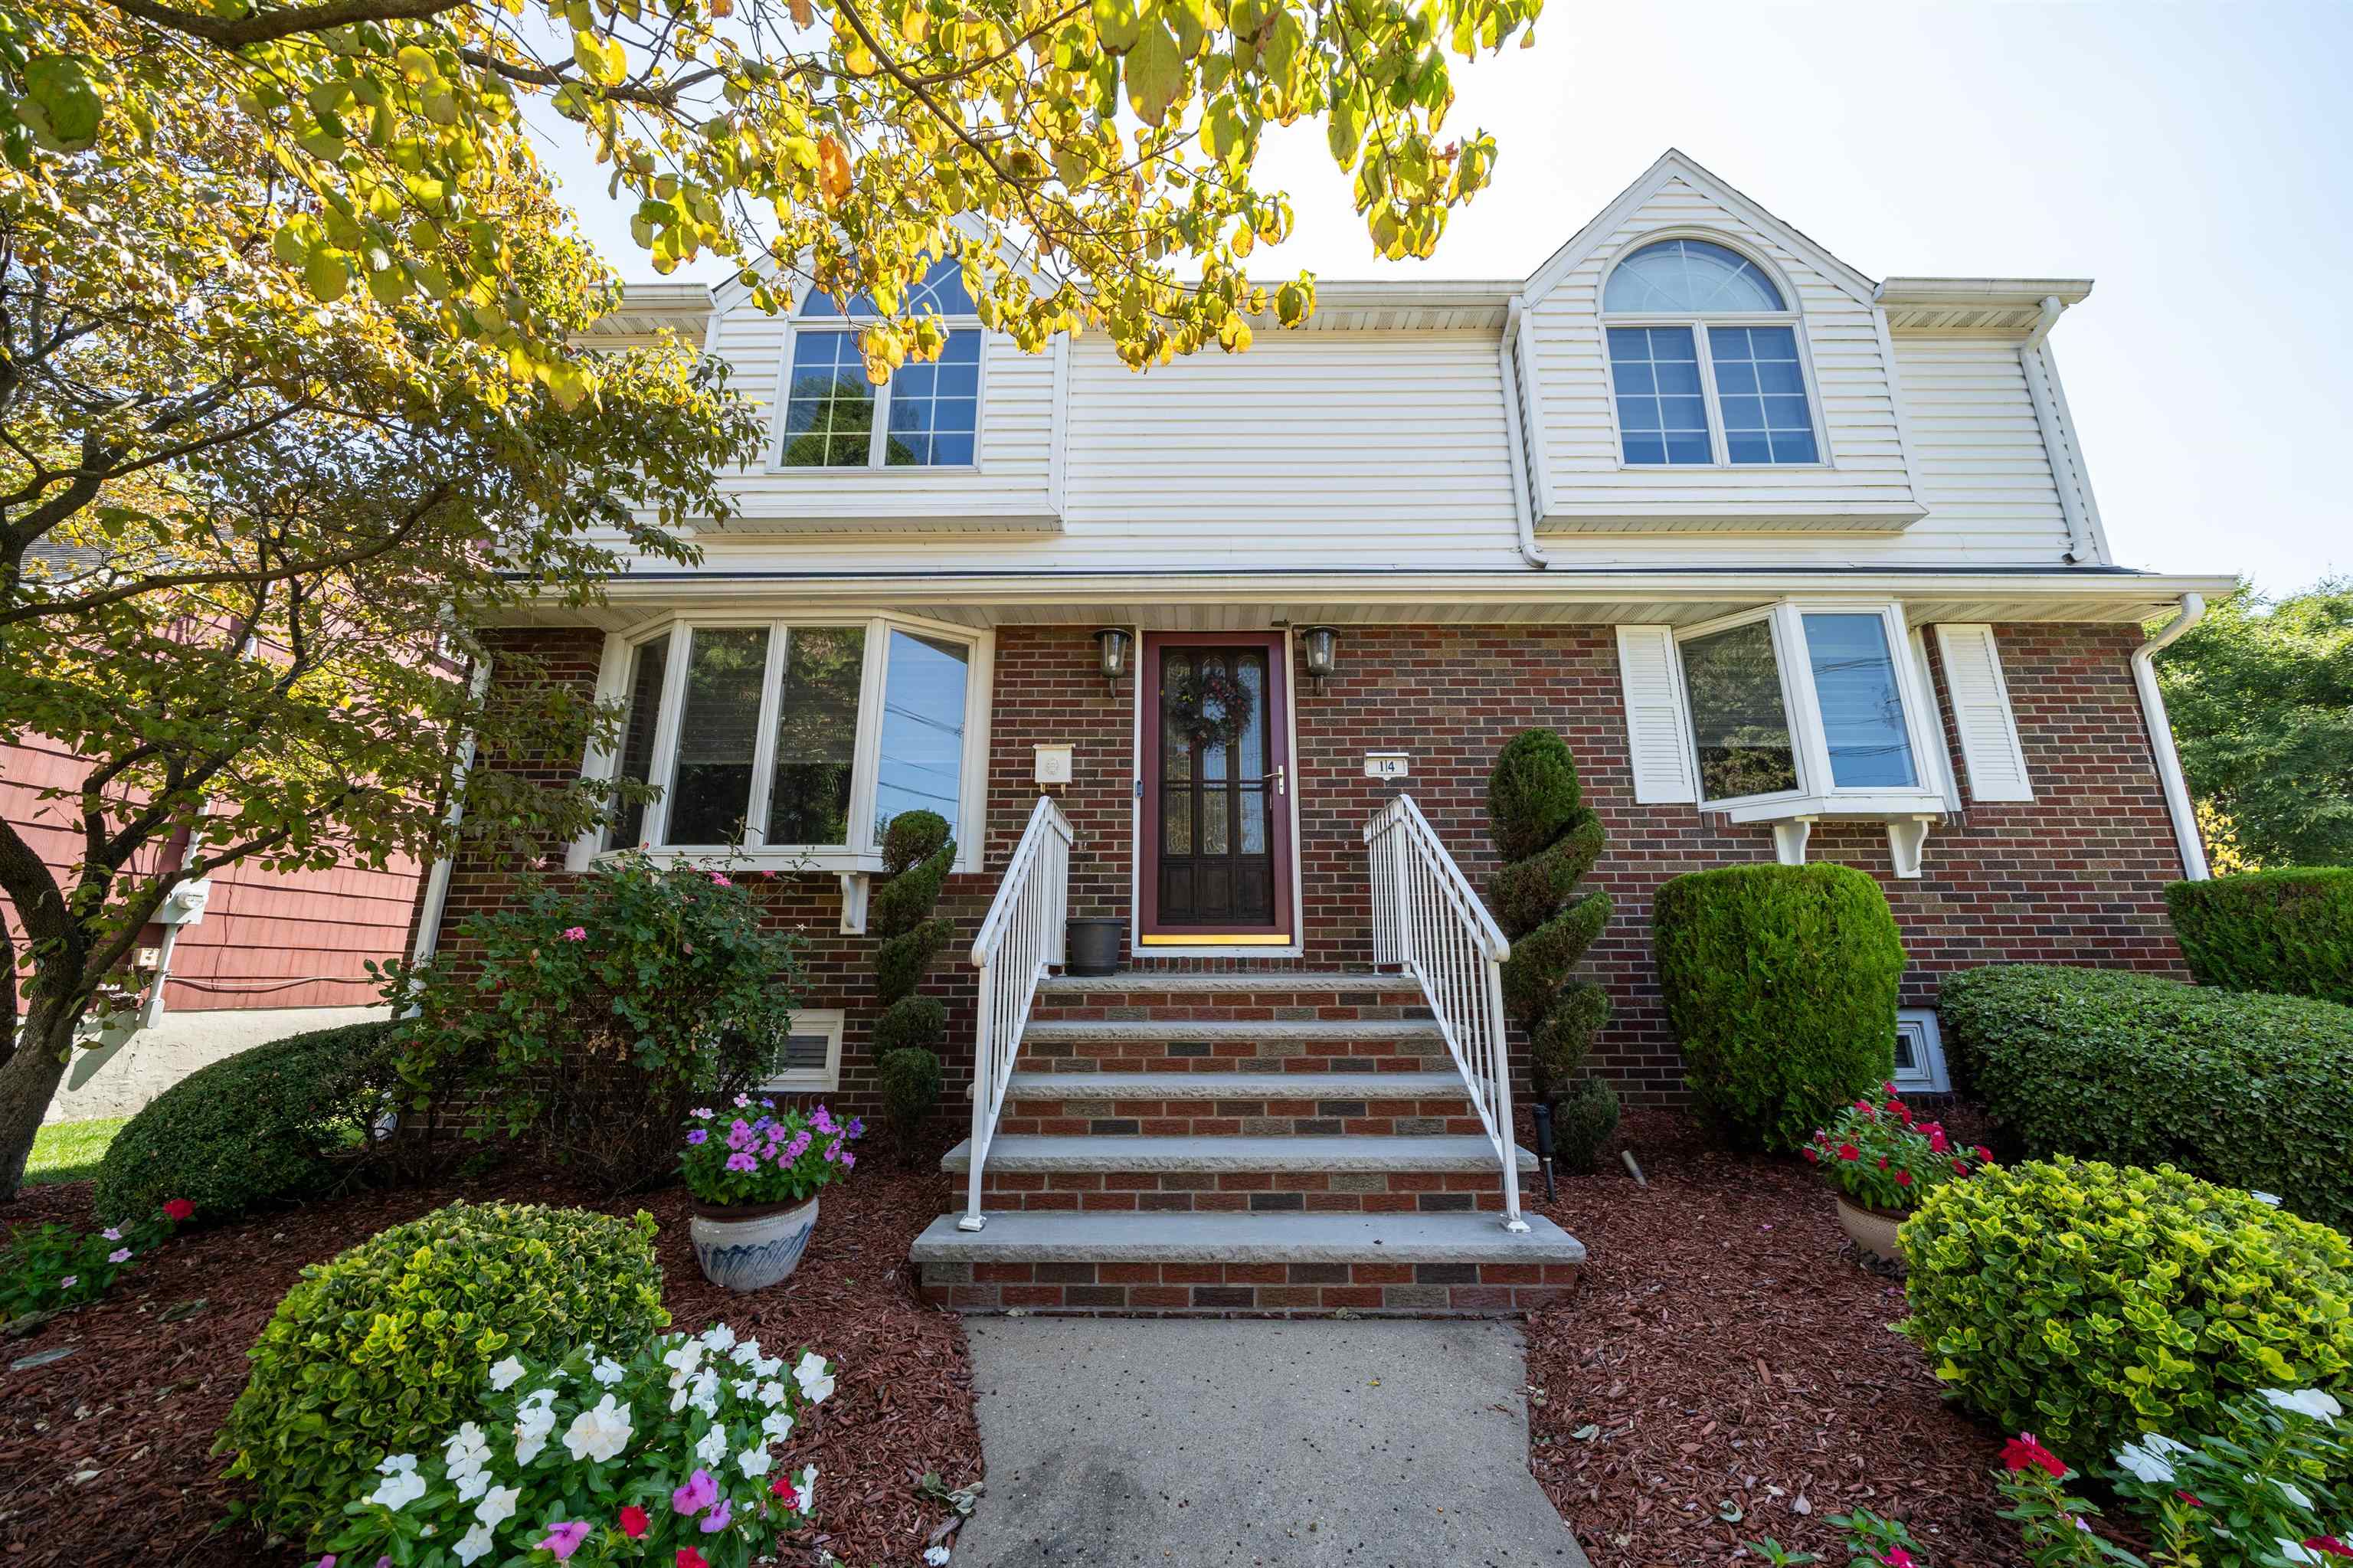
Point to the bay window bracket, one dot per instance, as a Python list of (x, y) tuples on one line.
[(854, 887), (1790, 836)]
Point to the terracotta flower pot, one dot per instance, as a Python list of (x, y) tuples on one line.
[(750, 1246), (1873, 1230)]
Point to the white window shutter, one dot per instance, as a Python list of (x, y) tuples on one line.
[(1989, 744), (1657, 731)]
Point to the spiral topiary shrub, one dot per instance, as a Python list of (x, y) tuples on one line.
[(2288, 930), (917, 853), (1780, 983), (2088, 1303), (1549, 839), (391, 1344), (257, 1128)]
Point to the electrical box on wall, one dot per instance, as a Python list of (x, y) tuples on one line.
[(1053, 765), (1387, 766)]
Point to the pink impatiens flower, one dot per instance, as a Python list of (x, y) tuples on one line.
[(119, 1254), (575, 933), (717, 1518), (564, 1540), (699, 1493), (742, 1159)]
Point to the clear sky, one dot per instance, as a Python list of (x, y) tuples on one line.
[(2190, 158)]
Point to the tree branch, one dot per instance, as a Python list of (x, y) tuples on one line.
[(268, 26)]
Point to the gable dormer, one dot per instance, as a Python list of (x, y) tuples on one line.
[(1693, 364)]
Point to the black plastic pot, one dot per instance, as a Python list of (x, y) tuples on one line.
[(1094, 945)]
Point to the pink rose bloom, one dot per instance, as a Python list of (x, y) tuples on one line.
[(575, 933), (717, 880)]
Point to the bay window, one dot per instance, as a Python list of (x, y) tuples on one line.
[(798, 740)]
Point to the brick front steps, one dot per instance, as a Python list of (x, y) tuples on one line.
[(1271, 1142), (1195, 1264)]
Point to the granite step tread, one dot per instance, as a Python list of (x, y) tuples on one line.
[(1025, 1152), (1116, 1086), (1036, 1237), (1331, 1031)]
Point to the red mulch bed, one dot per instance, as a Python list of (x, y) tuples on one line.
[(1731, 1351), (139, 1400)]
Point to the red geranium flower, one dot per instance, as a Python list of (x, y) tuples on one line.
[(179, 1209), (1810, 1153), (782, 1489), (2328, 1543), (633, 1521), (1903, 1177), (2023, 1450), (1848, 1151), (688, 1557)]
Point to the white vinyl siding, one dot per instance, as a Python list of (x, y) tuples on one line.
[(1658, 732), (1978, 449), (1991, 753)]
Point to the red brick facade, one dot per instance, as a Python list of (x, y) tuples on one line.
[(2075, 877)]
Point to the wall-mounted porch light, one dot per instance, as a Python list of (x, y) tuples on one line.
[(1111, 644), (1321, 645)]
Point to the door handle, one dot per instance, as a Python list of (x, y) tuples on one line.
[(1275, 777)]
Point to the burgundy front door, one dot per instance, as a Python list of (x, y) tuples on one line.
[(1216, 825)]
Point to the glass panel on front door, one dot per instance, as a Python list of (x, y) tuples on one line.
[(1216, 794)]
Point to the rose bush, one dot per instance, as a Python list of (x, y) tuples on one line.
[(755, 1153), (664, 1455), (1882, 1158)]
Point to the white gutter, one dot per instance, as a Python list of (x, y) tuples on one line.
[(2177, 804), (1522, 510), (437, 881), (2047, 315)]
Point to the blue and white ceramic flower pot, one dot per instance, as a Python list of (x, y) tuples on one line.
[(753, 1246)]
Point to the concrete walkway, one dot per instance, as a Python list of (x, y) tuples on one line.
[(1141, 1443)]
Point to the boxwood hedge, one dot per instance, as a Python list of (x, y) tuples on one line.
[(2244, 1089), (2288, 930), (1780, 983)]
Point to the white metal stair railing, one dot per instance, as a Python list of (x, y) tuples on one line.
[(1428, 920), (1023, 935)]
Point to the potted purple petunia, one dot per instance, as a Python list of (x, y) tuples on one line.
[(755, 1172)]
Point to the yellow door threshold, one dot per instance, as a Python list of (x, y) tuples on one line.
[(1211, 939)]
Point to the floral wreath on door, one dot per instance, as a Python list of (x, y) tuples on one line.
[(1211, 708)]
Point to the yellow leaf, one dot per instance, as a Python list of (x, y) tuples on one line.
[(832, 169)]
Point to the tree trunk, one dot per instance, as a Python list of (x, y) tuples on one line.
[(28, 1081)]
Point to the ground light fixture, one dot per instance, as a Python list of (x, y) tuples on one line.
[(1112, 645)]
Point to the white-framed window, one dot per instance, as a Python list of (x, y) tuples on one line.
[(794, 740), (810, 1057), (926, 416), (1808, 704), (1707, 360), (1919, 1053)]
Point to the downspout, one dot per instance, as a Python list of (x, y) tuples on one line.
[(2046, 317), (437, 881), (2177, 803), (1522, 511)]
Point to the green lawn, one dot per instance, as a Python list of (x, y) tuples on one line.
[(70, 1150)]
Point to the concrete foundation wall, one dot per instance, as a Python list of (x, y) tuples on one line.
[(124, 1072)]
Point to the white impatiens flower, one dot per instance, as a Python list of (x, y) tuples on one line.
[(2318, 1403), (467, 1451), (748, 1352), (2296, 1551), (2271, 1198), (498, 1507), (704, 1394), (682, 1359), (714, 1447), (720, 1337), (534, 1419), (753, 1462), (473, 1545), (936, 1556), (815, 1381), (2145, 1464), (749, 1388), (608, 1372), (504, 1376), (764, 1366), (806, 1488), (777, 1425), (401, 1485), (600, 1432)]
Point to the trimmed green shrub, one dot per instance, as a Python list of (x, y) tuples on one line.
[(1582, 1118), (391, 1344), (2257, 1091), (1780, 983), (255, 1127), (910, 1082), (2088, 1303), (1548, 837), (2288, 930), (590, 1015)]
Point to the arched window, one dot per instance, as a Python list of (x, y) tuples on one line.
[(1703, 360), (927, 416)]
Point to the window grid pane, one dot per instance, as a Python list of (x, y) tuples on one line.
[(1738, 719), (710, 785), (940, 291), (1661, 415), (816, 736), (935, 408), (920, 766), (1689, 276), (1863, 708), (1761, 393), (829, 407)]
